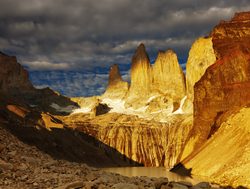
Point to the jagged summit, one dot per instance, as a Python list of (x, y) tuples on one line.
[(117, 88), (168, 77), (13, 76), (114, 74), (140, 72), (244, 16)]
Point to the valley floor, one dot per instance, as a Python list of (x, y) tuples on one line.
[(24, 166)]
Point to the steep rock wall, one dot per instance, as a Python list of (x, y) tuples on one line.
[(224, 158), (151, 144), (168, 77), (201, 56), (12, 75), (225, 85), (140, 73)]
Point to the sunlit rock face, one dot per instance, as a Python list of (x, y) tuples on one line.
[(230, 34), (201, 56), (168, 77), (140, 72), (224, 158), (12, 75), (165, 79), (147, 142), (225, 84), (141, 78), (117, 88)]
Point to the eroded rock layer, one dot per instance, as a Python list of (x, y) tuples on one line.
[(230, 34), (148, 143), (225, 85)]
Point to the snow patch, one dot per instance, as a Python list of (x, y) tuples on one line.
[(82, 110), (151, 98), (67, 109), (180, 110), (118, 106)]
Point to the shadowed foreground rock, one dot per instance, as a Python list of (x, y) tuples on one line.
[(24, 166)]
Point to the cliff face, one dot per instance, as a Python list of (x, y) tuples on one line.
[(225, 84), (168, 77), (224, 158), (117, 88), (148, 143), (140, 72), (229, 35), (16, 86), (12, 75), (201, 56), (164, 79)]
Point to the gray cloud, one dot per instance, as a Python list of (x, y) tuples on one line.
[(85, 34)]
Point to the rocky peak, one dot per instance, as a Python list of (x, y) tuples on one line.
[(230, 34), (140, 71), (168, 77), (117, 88), (114, 74), (13, 77), (241, 16), (201, 56)]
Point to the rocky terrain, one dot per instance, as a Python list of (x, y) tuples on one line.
[(24, 166)]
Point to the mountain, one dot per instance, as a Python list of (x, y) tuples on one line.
[(201, 56), (221, 101), (12, 75), (117, 88), (197, 123)]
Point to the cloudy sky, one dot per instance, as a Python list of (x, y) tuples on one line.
[(69, 44)]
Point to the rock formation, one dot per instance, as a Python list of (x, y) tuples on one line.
[(168, 77), (230, 34), (117, 88), (165, 78), (224, 158), (201, 56), (12, 75), (141, 79), (146, 142), (140, 72), (225, 85), (15, 84)]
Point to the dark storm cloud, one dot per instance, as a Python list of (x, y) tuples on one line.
[(87, 33)]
